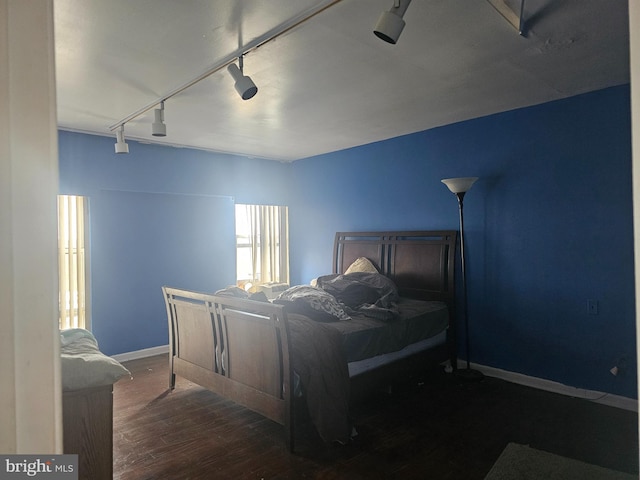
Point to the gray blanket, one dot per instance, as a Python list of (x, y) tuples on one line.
[(320, 362), (370, 294), (83, 365)]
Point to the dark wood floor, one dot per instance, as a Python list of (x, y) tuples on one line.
[(430, 426)]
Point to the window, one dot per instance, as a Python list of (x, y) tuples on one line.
[(73, 262), (262, 244)]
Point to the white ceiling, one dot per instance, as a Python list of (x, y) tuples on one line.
[(328, 83)]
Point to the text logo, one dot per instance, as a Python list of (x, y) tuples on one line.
[(50, 467)]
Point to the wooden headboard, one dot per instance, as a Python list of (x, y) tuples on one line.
[(421, 263)]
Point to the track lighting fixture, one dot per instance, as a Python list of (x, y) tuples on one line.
[(390, 24), (158, 128), (121, 145), (511, 13), (244, 85)]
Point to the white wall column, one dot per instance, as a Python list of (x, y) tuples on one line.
[(30, 392), (634, 40)]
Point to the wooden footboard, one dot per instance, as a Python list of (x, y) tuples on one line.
[(236, 348)]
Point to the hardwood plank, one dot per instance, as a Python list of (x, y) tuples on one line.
[(431, 424)]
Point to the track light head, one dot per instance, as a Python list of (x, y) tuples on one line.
[(244, 85), (158, 128), (390, 24), (121, 145)]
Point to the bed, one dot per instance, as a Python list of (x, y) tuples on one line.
[(266, 354), (87, 402)]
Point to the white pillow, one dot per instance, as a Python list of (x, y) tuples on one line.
[(362, 264)]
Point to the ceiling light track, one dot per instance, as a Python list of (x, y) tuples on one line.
[(282, 29)]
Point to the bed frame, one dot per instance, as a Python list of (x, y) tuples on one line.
[(240, 349), (87, 420)]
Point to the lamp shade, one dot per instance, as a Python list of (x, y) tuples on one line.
[(244, 85), (460, 184), (389, 27), (390, 24), (121, 145), (158, 128)]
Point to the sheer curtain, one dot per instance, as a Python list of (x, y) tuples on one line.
[(269, 240), (72, 261)]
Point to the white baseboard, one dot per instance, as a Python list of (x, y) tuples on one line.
[(604, 398), (144, 353)]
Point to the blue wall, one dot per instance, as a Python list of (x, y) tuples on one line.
[(159, 216), (548, 226)]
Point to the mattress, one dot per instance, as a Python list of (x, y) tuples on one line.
[(364, 337), (362, 366)]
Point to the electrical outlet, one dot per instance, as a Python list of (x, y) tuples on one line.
[(592, 307), (620, 367)]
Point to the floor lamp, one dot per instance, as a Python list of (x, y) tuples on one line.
[(460, 186)]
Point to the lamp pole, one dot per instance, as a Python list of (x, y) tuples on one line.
[(460, 186), (460, 196)]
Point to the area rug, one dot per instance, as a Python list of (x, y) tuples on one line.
[(525, 463)]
